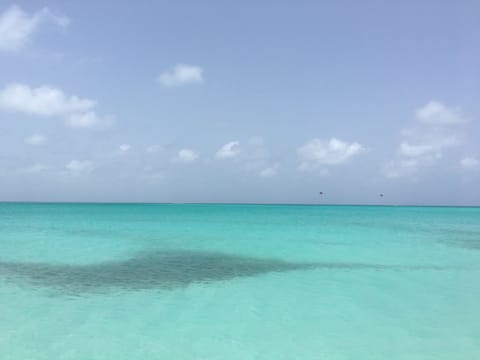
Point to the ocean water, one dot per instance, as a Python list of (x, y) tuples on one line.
[(144, 281)]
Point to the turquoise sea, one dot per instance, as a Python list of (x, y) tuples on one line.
[(147, 281)]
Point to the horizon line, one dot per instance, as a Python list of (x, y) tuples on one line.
[(224, 203)]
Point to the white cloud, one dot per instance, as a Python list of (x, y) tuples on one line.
[(186, 156), (470, 163), (17, 27), (35, 139), (88, 120), (332, 152), (251, 157), (80, 166), (425, 145), (429, 142), (47, 101), (428, 150), (406, 149), (181, 74), (228, 150), (125, 147), (269, 171), (42, 101), (436, 113)]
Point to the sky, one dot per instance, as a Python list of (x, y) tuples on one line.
[(240, 101)]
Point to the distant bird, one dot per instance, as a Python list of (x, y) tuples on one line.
[(320, 193), (381, 195)]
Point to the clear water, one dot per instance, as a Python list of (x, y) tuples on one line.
[(101, 281)]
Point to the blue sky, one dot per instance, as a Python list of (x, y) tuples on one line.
[(219, 101)]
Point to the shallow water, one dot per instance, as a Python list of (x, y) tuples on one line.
[(123, 281)]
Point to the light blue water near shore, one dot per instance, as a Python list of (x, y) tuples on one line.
[(105, 281)]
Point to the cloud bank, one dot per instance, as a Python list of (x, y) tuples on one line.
[(17, 27), (437, 131)]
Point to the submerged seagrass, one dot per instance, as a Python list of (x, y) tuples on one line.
[(162, 269)]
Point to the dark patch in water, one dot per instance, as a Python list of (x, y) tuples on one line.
[(467, 239), (161, 270), (464, 243)]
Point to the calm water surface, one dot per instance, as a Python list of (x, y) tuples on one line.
[(123, 281)]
